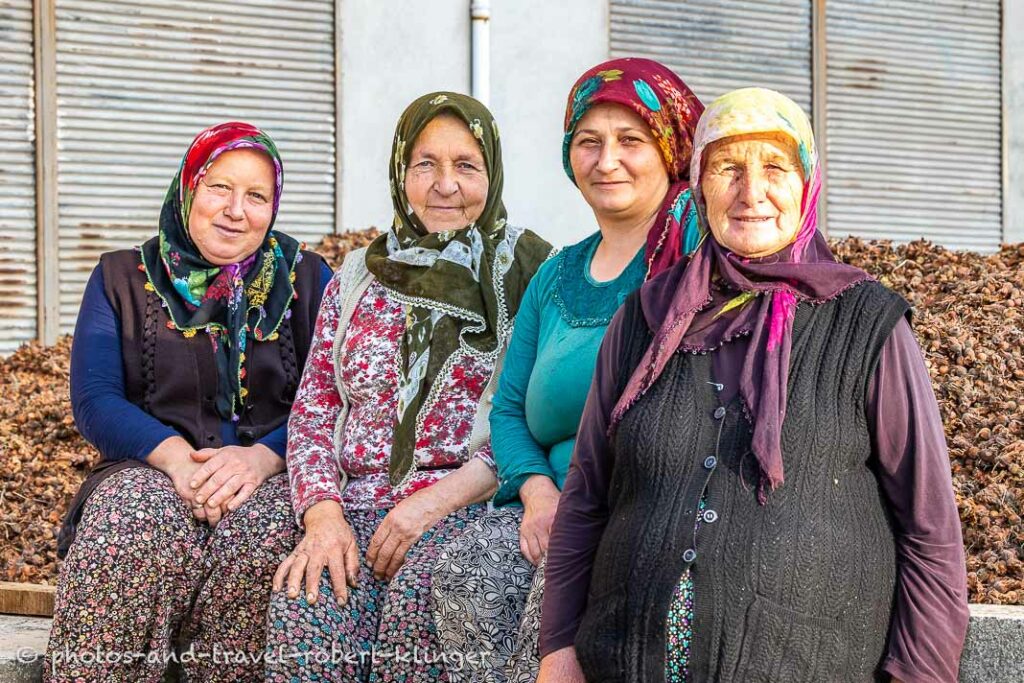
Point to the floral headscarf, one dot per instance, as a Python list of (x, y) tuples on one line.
[(671, 110), (756, 296), (229, 303), (461, 288)]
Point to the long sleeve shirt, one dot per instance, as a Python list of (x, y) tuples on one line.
[(334, 455), (930, 611), (118, 428)]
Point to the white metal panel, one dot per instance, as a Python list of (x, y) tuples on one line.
[(136, 80), (717, 46), (914, 114), (17, 176)]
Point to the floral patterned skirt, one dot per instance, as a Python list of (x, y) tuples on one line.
[(487, 600), (384, 632), (146, 585)]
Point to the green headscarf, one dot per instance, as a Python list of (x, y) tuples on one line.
[(461, 288)]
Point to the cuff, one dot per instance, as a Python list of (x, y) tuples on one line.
[(508, 489)]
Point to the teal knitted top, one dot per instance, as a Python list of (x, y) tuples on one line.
[(549, 364)]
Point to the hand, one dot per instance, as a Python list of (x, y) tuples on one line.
[(173, 457), (401, 528), (561, 666), (228, 476), (329, 542), (540, 500)]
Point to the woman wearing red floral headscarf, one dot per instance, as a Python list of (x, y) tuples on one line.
[(628, 135), (186, 358)]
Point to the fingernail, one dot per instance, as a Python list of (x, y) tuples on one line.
[(193, 484), (310, 598), (200, 499)]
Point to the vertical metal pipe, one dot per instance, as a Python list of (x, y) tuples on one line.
[(47, 263), (819, 101), (480, 50)]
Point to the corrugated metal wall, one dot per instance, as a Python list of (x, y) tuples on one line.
[(137, 80), (17, 176), (721, 45), (914, 112)]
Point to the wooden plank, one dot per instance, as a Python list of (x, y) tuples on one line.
[(26, 599)]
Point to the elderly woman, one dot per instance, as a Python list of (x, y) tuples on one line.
[(186, 357), (389, 451), (760, 489), (628, 134)]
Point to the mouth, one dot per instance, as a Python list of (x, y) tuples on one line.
[(751, 219), (449, 209), (609, 183), (228, 231)]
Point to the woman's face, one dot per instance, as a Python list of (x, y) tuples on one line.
[(617, 163), (233, 206), (446, 181), (753, 186)]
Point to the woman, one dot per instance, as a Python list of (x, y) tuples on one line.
[(186, 357), (389, 452), (735, 510), (628, 136)]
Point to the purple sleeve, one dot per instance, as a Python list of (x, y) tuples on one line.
[(583, 507), (930, 617)]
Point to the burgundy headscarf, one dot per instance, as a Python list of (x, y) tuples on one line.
[(755, 296), (671, 110)]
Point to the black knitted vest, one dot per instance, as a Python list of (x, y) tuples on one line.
[(800, 589), (174, 378)]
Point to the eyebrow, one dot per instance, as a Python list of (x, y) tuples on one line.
[(224, 177), (621, 129), (462, 157)]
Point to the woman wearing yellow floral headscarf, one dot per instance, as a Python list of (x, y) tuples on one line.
[(760, 489)]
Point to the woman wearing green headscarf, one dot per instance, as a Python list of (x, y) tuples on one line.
[(389, 450)]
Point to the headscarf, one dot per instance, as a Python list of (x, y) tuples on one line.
[(230, 303), (671, 110), (689, 312), (461, 288)]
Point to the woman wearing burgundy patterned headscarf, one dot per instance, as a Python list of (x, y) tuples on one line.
[(628, 135), (187, 355)]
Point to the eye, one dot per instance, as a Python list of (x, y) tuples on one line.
[(467, 166), (630, 140), (258, 196), (587, 141), (426, 163)]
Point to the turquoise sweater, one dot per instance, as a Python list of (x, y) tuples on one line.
[(549, 364)]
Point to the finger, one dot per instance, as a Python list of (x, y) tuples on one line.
[(377, 541), (534, 542), (295, 573), (240, 497), (384, 556), (352, 563), (524, 547), (314, 569), (227, 491), (282, 571), (198, 512), (204, 455), (200, 476), (397, 560), (219, 478), (542, 542), (336, 569), (213, 515)]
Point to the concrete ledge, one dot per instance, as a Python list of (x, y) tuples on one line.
[(994, 650), (993, 653)]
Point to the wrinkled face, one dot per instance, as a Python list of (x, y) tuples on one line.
[(233, 206), (617, 162), (752, 186), (446, 181)]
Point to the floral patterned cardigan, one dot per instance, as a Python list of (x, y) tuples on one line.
[(341, 425)]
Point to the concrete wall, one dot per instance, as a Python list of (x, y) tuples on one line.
[(1013, 120), (392, 52)]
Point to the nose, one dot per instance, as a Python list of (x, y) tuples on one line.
[(235, 209), (446, 183), (753, 187), (609, 159)]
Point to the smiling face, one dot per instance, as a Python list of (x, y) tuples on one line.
[(446, 181), (617, 163), (752, 187), (233, 206)]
